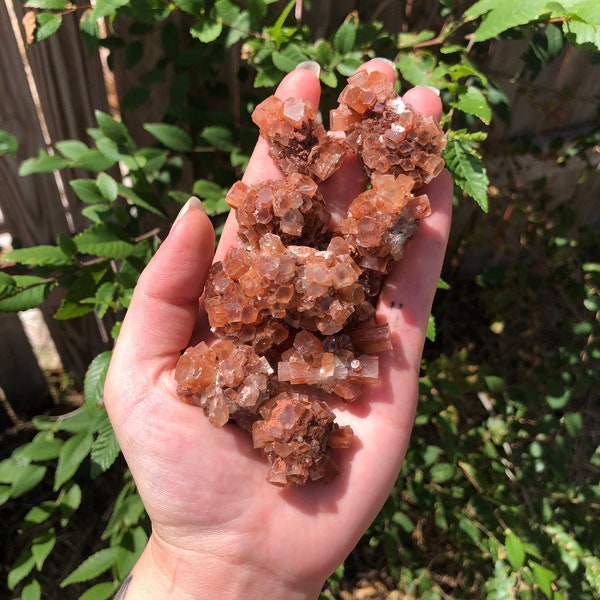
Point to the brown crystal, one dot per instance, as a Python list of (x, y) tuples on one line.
[(293, 305), (388, 135)]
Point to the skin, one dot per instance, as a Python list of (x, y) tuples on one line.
[(219, 530)]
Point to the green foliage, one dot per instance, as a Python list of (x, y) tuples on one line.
[(485, 493)]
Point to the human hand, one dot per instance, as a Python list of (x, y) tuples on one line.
[(219, 530)]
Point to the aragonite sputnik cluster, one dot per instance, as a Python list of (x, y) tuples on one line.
[(293, 305)]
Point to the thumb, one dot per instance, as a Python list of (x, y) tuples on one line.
[(164, 307)]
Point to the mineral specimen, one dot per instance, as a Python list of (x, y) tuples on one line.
[(293, 305)]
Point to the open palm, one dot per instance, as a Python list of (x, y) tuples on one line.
[(204, 488)]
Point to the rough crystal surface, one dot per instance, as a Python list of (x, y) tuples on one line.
[(293, 304)]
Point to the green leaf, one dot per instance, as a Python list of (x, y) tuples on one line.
[(47, 24), (134, 198), (503, 15), (107, 186), (70, 501), (30, 292), (71, 149), (44, 163), (23, 566), (28, 477), (100, 591), (87, 190), (105, 448), (345, 36), (442, 472), (468, 170), (219, 137), (42, 545), (206, 31), (514, 550), (8, 144), (475, 103), (106, 8), (32, 591), (93, 383), (171, 136), (74, 451), (44, 446), (129, 550), (48, 4), (93, 160), (115, 131), (43, 256), (91, 567), (543, 577), (431, 328), (287, 59), (103, 239)]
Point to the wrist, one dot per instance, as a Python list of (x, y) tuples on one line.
[(166, 572)]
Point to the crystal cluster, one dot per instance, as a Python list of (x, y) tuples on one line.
[(293, 305)]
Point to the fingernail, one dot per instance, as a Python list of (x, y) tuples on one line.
[(386, 60), (310, 65), (194, 203), (433, 89)]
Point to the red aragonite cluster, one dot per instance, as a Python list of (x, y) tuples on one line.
[(293, 306)]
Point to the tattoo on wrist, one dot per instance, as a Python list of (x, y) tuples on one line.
[(123, 589)]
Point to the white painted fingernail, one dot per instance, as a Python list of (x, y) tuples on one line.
[(433, 89), (310, 65)]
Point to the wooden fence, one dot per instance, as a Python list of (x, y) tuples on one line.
[(50, 92)]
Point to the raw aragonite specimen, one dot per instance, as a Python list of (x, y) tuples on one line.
[(293, 305)]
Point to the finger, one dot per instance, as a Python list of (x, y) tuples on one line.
[(300, 83), (164, 306), (426, 100), (407, 294)]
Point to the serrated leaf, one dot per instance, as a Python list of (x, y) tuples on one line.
[(468, 170), (267, 77), (74, 451), (105, 448), (30, 292), (475, 103), (104, 240), (515, 552), (47, 24), (8, 144), (44, 163), (328, 78), (207, 190), (91, 567), (504, 15), (93, 383), (583, 34), (43, 256), (107, 186), (171, 136)]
